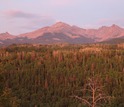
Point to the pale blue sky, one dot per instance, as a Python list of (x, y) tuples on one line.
[(19, 16)]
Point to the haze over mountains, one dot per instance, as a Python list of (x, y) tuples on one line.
[(64, 33)]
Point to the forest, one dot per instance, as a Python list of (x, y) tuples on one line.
[(62, 75)]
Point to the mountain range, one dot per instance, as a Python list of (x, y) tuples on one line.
[(64, 33)]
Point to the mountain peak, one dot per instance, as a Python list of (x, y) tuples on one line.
[(6, 35), (3, 34), (6, 32), (61, 24), (115, 26), (103, 28)]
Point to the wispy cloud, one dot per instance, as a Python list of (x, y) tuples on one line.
[(21, 22), (19, 14)]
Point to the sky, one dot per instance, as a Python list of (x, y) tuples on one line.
[(20, 16)]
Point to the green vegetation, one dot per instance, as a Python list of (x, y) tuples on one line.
[(49, 75)]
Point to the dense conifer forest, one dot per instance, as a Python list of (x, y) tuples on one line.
[(62, 75)]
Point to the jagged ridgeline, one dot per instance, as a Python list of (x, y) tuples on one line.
[(62, 75), (64, 33)]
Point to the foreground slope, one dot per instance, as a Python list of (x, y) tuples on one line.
[(48, 75)]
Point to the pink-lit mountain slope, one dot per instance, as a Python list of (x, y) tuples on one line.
[(101, 34), (104, 33), (4, 36), (60, 27), (64, 33)]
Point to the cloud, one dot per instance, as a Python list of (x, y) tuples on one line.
[(18, 22), (19, 14)]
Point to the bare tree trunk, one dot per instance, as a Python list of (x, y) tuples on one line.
[(96, 90)]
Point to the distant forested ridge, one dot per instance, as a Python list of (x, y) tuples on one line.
[(48, 75)]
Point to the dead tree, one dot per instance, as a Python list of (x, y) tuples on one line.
[(96, 95)]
